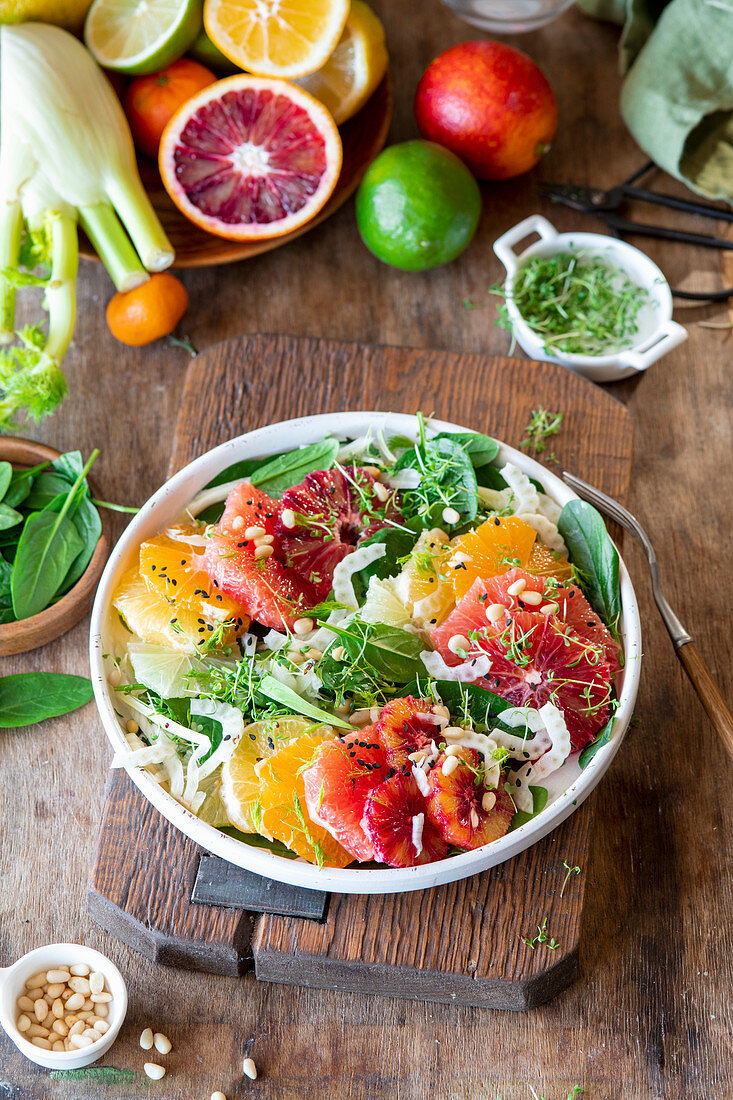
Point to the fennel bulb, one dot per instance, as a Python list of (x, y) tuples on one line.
[(66, 155)]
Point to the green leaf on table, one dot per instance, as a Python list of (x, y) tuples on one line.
[(6, 476), (30, 697), (8, 517), (594, 557), (273, 689), (48, 545), (539, 801), (602, 738)]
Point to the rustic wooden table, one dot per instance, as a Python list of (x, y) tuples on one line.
[(650, 1015)]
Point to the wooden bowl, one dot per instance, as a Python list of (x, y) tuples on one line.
[(363, 136), (61, 616)]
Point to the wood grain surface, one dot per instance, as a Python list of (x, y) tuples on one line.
[(488, 965), (650, 1015)]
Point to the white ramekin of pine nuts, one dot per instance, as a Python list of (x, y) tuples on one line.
[(62, 1005)]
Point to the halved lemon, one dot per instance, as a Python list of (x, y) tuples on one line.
[(286, 38), (141, 36), (355, 67)]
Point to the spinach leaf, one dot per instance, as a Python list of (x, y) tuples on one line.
[(602, 738), (6, 599), (30, 697), (539, 801), (47, 547), (481, 449), (212, 514), (279, 474), (6, 476), (241, 471), (257, 841), (21, 483), (392, 654), (46, 487), (448, 480), (271, 688), (595, 558), (480, 705), (8, 517), (489, 478), (71, 465), (88, 524), (398, 543), (212, 729)]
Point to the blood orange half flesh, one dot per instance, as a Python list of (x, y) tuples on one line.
[(250, 158)]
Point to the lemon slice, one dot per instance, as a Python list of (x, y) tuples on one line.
[(355, 67), (286, 38), (141, 36)]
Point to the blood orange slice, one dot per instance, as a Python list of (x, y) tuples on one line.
[(406, 725), (338, 784), (250, 158), (465, 813), (397, 825)]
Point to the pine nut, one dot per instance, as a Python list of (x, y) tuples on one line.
[(35, 994), (146, 1038), (57, 977), (237, 523), (101, 1026), (131, 726), (518, 587), (77, 1028), (90, 1033), (162, 1043), (449, 765), (265, 540), (58, 1045), (66, 994), (474, 818), (249, 1069), (495, 612), (458, 642), (254, 532), (80, 1041), (381, 492), (75, 1001), (550, 609), (303, 626), (533, 599), (36, 1029), (36, 982), (338, 653), (23, 1023), (218, 1096), (114, 678), (450, 515), (67, 1045), (263, 552), (55, 990), (100, 998), (96, 981), (57, 1008), (452, 733), (84, 1015), (102, 1011), (60, 1028), (80, 985), (79, 970), (287, 518), (154, 1071), (38, 1041), (314, 654), (25, 1003), (41, 1009), (453, 750), (488, 801), (70, 1019)]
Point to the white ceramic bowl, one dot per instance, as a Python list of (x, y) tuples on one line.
[(568, 787), (657, 332), (12, 986)]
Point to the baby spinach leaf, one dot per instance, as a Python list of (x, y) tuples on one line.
[(399, 544), (6, 598), (595, 558), (30, 697), (211, 729), (271, 688), (257, 841), (6, 476), (539, 801), (47, 547), (478, 704), (602, 738), (481, 449), (46, 487), (71, 465), (21, 483), (448, 480), (279, 474), (391, 653), (88, 524), (489, 478), (240, 471), (8, 517)]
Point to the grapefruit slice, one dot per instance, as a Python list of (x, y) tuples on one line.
[(276, 37), (338, 784), (250, 158)]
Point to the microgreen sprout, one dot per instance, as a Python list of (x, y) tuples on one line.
[(570, 871), (540, 936), (541, 426)]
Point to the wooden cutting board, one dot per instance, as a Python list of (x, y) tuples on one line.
[(463, 943)]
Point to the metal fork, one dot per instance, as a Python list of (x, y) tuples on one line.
[(689, 655)]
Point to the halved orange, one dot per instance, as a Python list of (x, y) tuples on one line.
[(250, 158), (499, 544), (286, 38)]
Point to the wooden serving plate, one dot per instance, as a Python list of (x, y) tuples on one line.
[(61, 616), (363, 136), (462, 943)]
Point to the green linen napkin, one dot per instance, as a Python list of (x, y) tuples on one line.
[(677, 99)]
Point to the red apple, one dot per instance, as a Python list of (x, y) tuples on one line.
[(491, 105)]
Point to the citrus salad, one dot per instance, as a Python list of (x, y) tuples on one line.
[(372, 650)]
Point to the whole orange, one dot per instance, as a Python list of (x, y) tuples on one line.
[(491, 105), (149, 311), (151, 101)]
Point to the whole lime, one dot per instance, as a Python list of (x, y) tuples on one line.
[(417, 206)]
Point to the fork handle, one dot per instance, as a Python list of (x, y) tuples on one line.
[(708, 692)]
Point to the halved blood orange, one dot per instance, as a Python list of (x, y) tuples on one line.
[(250, 158)]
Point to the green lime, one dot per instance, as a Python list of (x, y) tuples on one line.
[(418, 206), (206, 53), (141, 36)]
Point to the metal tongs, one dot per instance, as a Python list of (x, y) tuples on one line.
[(604, 204), (689, 655)]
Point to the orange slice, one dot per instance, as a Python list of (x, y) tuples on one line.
[(240, 783), (429, 591), (499, 544), (286, 38), (284, 812), (544, 562)]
